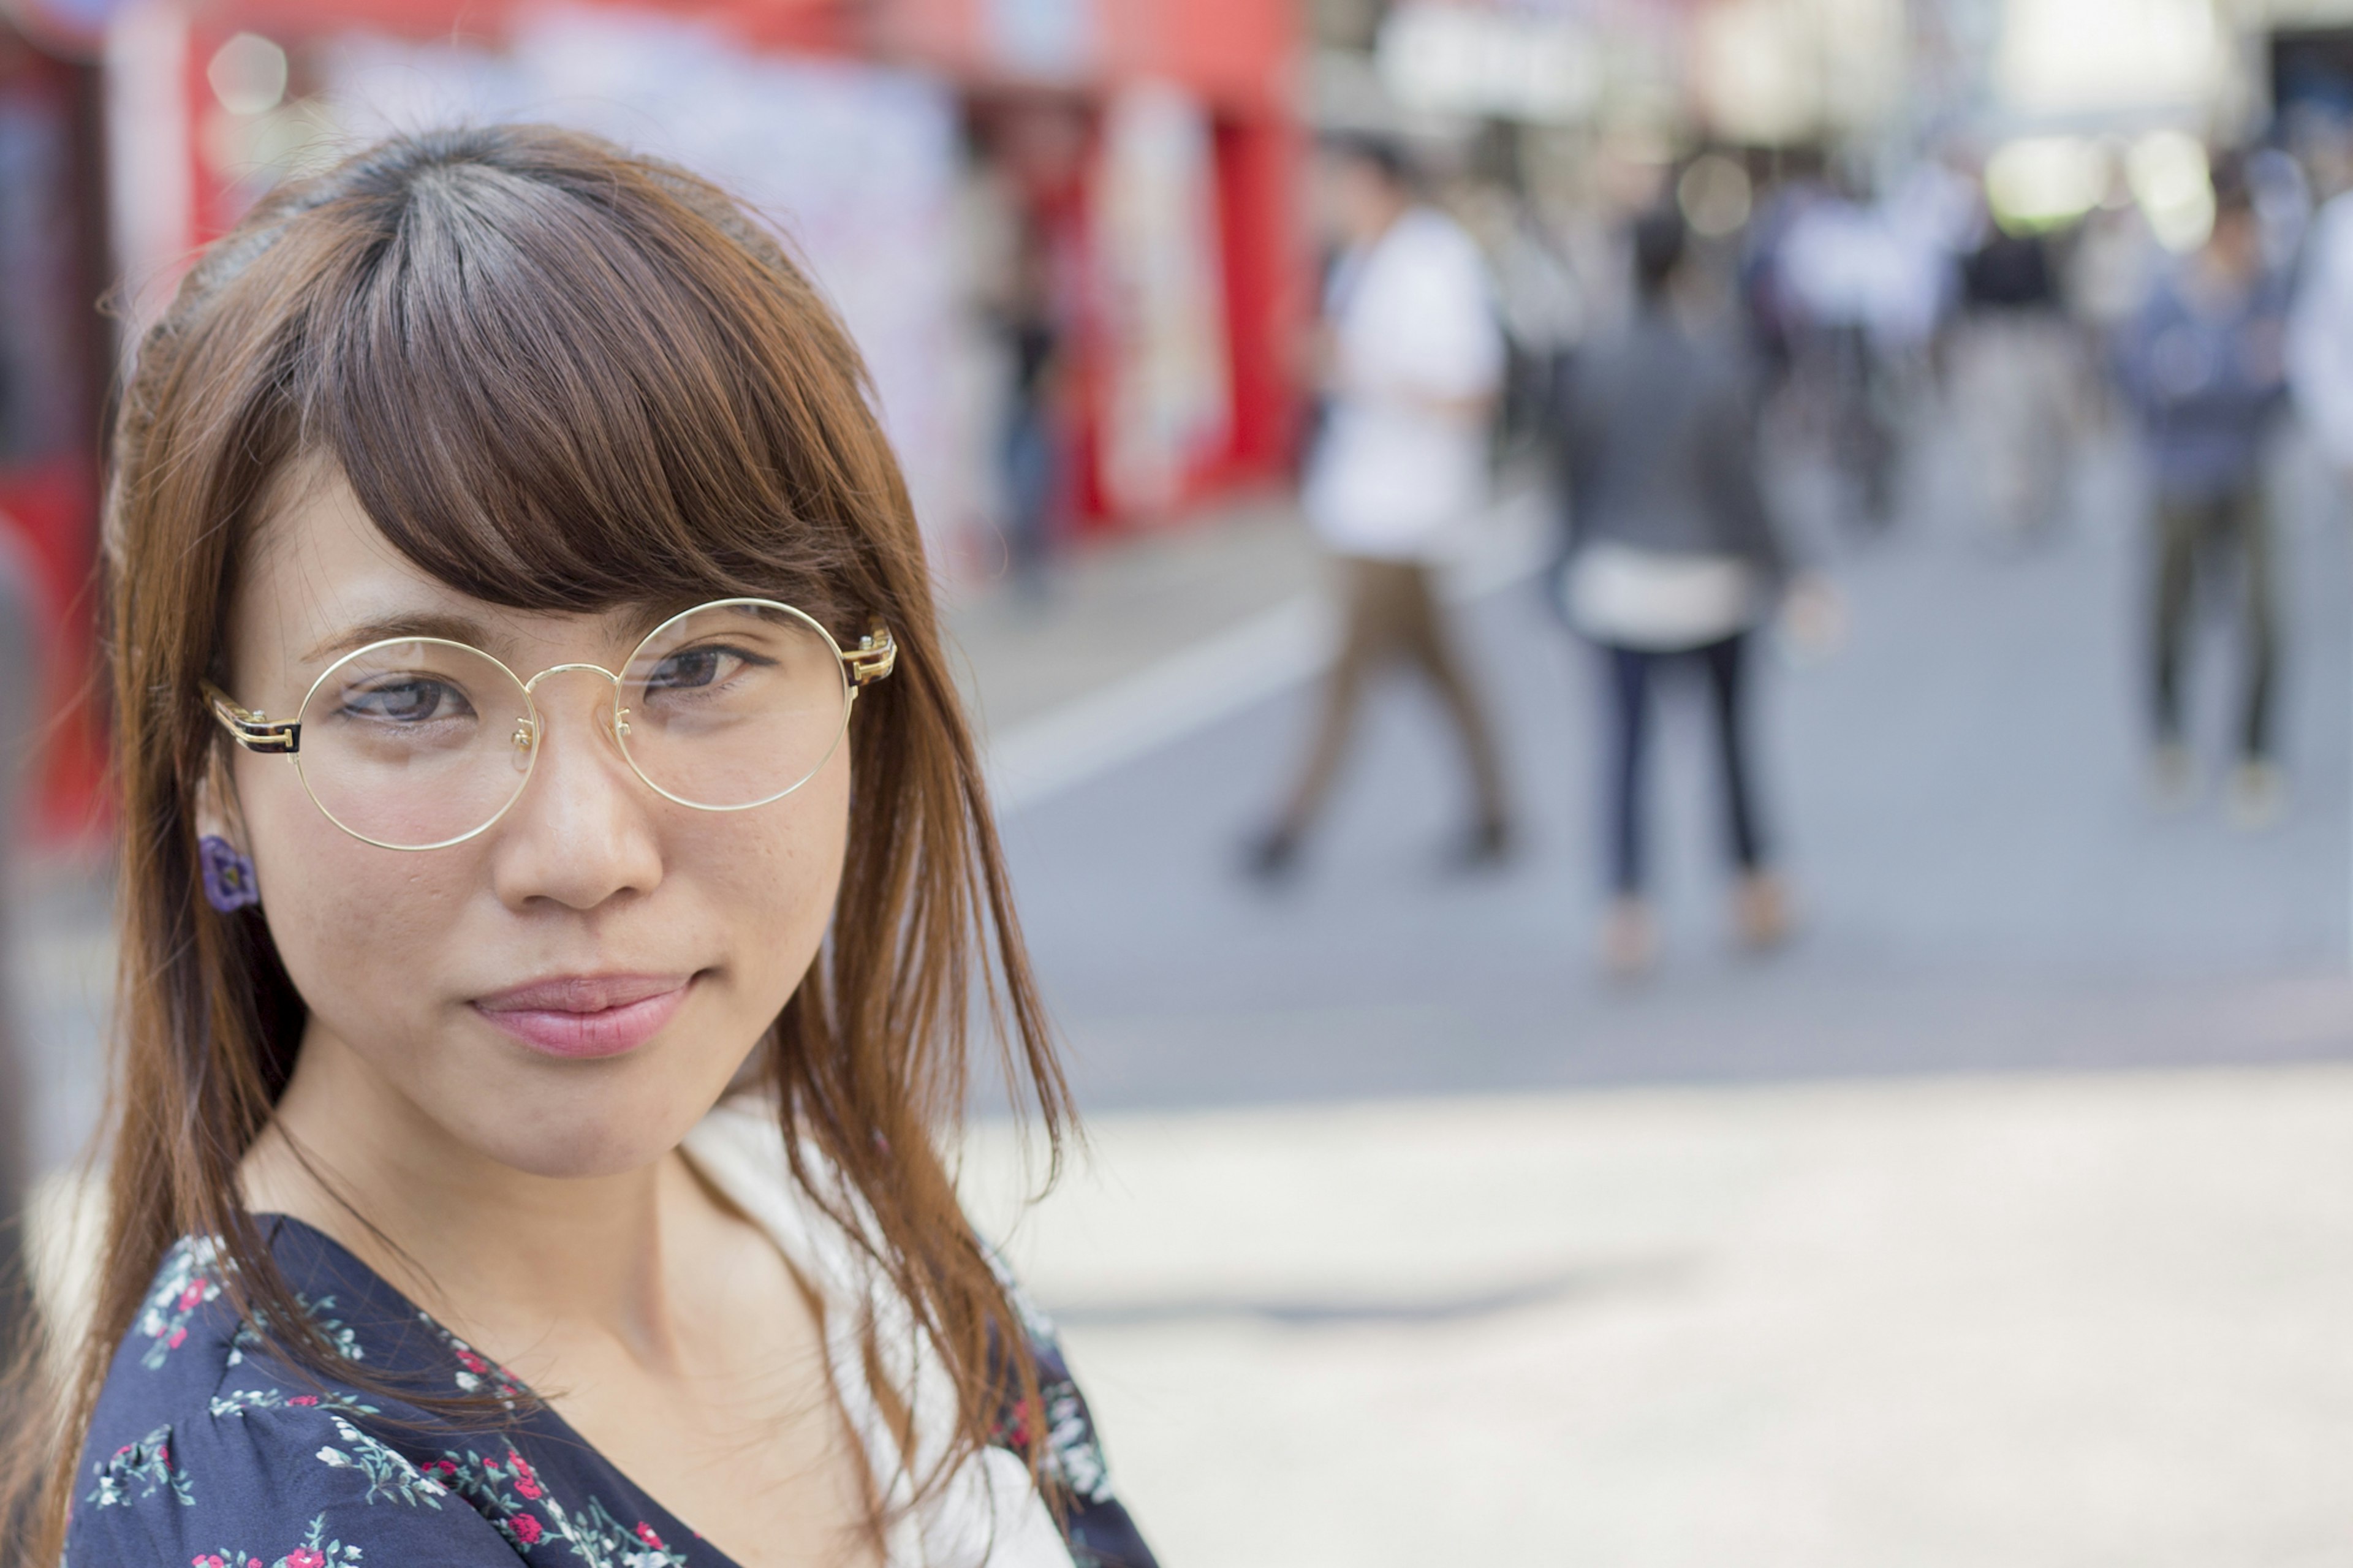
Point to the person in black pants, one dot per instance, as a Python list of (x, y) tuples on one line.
[(1671, 558), (1631, 672)]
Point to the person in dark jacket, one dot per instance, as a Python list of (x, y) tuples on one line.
[(1670, 558), (2203, 365)]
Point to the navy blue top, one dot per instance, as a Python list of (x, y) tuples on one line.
[(209, 1451), (2209, 379)]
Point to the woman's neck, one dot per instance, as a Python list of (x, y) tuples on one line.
[(499, 1254)]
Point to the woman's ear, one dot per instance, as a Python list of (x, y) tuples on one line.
[(215, 802)]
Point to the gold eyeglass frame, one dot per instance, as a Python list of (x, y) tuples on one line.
[(874, 657)]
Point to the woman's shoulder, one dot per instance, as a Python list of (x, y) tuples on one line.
[(1058, 1435), (740, 1148), (208, 1447)]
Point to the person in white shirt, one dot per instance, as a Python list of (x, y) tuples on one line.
[(1411, 361)]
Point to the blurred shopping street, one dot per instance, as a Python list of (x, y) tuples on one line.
[(2000, 1216), (1992, 1221), (1960, 793)]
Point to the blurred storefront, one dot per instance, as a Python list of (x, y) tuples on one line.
[(878, 136), (1142, 153), (54, 359)]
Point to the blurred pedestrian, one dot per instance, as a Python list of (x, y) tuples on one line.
[(1034, 450), (2015, 381), (2320, 333), (1864, 297), (1410, 359), (2203, 367), (1671, 559)]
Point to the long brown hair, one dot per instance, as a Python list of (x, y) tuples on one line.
[(558, 376)]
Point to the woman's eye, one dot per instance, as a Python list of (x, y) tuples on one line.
[(696, 668), (411, 700)]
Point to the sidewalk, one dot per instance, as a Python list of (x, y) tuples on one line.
[(2042, 1322), (1119, 606)]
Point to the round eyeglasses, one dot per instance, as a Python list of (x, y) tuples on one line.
[(419, 742)]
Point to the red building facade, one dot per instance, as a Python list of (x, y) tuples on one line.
[(148, 118)]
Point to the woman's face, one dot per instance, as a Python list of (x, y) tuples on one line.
[(569, 992)]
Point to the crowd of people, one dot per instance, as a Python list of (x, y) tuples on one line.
[(1834, 322)]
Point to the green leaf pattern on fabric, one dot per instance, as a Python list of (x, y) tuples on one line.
[(145, 1466)]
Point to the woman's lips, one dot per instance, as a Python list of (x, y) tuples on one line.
[(587, 1014)]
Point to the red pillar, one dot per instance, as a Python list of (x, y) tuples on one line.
[(1266, 283)]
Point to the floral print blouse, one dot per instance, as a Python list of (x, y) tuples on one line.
[(207, 1451)]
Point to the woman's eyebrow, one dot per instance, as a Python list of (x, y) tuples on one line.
[(389, 629)]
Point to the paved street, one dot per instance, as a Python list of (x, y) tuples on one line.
[(1958, 793)]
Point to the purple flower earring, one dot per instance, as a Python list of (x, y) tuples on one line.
[(228, 875)]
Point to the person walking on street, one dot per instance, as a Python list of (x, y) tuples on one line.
[(1670, 558), (1033, 454), (2015, 382), (2319, 353), (2203, 365), (1411, 361)]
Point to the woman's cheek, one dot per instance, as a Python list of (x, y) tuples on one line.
[(361, 930), (784, 893)]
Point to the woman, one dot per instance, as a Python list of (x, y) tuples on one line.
[(1671, 558), (552, 864)]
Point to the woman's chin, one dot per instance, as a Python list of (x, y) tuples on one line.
[(606, 1130)]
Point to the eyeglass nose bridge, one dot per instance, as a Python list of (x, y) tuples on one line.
[(528, 730)]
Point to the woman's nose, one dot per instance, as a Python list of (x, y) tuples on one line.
[(582, 831)]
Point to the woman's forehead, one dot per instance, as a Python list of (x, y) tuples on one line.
[(321, 579)]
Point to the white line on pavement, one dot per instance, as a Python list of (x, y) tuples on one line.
[(1219, 676)]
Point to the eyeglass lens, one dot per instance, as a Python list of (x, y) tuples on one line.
[(732, 704), (420, 743)]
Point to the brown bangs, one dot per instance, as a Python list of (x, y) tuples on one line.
[(552, 394)]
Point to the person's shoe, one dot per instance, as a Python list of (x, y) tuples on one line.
[(1272, 855), (1760, 911), (1630, 943), (2258, 796), (2172, 777)]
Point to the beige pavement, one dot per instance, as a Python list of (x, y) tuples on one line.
[(2025, 1321)]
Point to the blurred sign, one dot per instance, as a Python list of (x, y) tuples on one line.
[(1457, 60), (150, 177), (2078, 56), (1775, 72), (76, 26), (1164, 314), (2041, 182)]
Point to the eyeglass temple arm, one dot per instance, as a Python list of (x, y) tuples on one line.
[(254, 731), (875, 656)]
